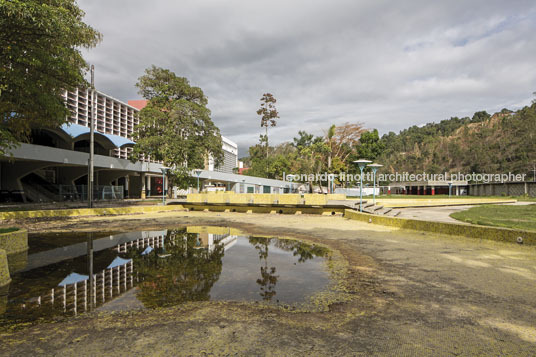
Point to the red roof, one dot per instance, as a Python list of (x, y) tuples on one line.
[(241, 170), (138, 104)]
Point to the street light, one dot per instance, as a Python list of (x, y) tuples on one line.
[(164, 172), (197, 173), (291, 179), (361, 163), (331, 182), (374, 168)]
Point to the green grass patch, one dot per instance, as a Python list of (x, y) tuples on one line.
[(430, 197), (516, 217), (8, 230), (427, 197)]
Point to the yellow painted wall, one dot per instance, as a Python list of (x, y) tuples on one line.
[(315, 199), (263, 198), (241, 198), (289, 199)]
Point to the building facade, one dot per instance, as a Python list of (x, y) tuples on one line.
[(53, 166), (111, 115)]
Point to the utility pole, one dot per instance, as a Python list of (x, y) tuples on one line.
[(90, 176)]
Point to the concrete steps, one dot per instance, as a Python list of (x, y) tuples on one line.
[(384, 211), (381, 210)]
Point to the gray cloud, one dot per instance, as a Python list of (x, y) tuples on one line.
[(386, 64)]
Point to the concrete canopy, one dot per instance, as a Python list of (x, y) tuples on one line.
[(79, 132)]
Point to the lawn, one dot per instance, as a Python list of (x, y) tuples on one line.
[(517, 217), (518, 198)]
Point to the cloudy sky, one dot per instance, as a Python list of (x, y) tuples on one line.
[(387, 64)]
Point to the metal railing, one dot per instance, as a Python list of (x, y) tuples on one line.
[(79, 192)]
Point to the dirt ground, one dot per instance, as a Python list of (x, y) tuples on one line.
[(412, 294)]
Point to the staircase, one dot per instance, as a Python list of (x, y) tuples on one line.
[(37, 189), (380, 210)]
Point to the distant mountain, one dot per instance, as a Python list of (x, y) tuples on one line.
[(498, 143)]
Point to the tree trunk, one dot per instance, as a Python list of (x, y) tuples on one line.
[(266, 141)]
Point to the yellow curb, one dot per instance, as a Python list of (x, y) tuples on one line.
[(471, 231), (80, 212)]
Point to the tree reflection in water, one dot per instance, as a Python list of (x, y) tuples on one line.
[(268, 279), (182, 271)]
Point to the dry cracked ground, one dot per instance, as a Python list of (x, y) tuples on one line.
[(412, 294)]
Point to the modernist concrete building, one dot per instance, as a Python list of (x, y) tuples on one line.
[(53, 166)]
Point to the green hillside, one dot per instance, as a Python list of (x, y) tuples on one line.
[(503, 142)]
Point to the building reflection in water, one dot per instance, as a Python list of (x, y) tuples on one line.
[(181, 265)]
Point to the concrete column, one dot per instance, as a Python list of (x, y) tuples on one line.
[(457, 190), (127, 185), (418, 190), (143, 193)]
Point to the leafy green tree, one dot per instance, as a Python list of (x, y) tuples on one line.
[(279, 161), (175, 126), (306, 140), (370, 146), (480, 117), (40, 57), (268, 113)]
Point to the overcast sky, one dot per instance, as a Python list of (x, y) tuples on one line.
[(387, 64)]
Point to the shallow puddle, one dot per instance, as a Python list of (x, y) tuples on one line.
[(68, 274)]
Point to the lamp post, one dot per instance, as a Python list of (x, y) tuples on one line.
[(197, 173), (361, 163), (164, 172), (290, 179), (91, 163), (331, 183), (374, 168)]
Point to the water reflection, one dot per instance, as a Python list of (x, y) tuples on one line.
[(268, 278), (184, 269), (157, 269)]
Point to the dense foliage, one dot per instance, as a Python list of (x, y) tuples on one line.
[(307, 154), (500, 143), (40, 57), (175, 127), (504, 142)]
